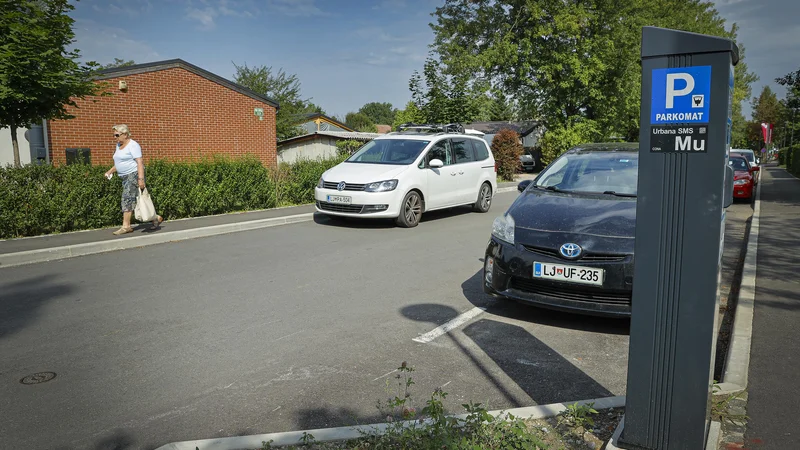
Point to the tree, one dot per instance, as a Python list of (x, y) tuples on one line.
[(39, 78), (442, 98), (791, 106), (360, 122), (766, 109), (283, 88), (117, 63), (411, 114), (570, 59), (379, 113)]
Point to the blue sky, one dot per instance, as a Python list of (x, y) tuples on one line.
[(346, 53)]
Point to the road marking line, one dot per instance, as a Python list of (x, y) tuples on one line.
[(386, 375), (455, 323)]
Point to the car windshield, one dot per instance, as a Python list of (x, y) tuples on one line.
[(389, 151), (593, 172), (748, 156), (738, 164)]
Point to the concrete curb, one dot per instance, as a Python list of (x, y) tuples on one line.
[(501, 190), (712, 441), (71, 251), (345, 433), (737, 362)]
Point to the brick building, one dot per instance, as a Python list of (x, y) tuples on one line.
[(175, 110)]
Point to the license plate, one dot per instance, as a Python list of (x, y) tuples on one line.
[(340, 199), (571, 274)]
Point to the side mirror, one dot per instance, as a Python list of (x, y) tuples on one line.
[(436, 164), (523, 185)]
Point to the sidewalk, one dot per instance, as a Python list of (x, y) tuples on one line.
[(774, 376), (95, 241)]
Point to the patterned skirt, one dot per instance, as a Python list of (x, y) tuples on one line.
[(130, 191)]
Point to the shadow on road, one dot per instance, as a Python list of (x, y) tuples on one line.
[(473, 291), (368, 223), (21, 299)]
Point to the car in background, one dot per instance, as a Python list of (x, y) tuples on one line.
[(751, 158), (527, 160), (743, 178), (567, 241), (403, 174)]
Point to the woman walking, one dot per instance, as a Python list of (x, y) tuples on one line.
[(129, 166)]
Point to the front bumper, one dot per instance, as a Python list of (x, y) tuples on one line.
[(362, 204), (743, 191), (512, 277)]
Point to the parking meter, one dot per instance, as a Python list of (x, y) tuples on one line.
[(685, 183)]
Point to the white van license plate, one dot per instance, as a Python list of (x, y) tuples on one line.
[(572, 274), (339, 199)]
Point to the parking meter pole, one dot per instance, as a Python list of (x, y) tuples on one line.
[(685, 184)]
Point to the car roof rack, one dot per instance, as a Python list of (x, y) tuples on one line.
[(425, 128)]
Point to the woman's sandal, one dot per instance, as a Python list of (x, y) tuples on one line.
[(123, 230), (155, 224)]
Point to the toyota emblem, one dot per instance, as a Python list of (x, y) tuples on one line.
[(571, 251)]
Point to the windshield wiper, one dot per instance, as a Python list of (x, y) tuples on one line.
[(549, 188), (619, 194)]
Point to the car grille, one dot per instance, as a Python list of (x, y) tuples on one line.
[(595, 257), (334, 207), (571, 292), (347, 186)]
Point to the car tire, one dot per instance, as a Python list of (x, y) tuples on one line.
[(484, 201), (410, 210)]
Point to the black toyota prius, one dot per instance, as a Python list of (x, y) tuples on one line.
[(566, 243)]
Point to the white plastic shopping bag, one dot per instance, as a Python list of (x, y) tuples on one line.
[(144, 211)]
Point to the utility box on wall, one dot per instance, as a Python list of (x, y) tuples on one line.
[(685, 185)]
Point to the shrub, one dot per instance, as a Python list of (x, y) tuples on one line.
[(348, 147), (36, 200), (782, 156), (789, 158), (507, 150), (793, 165)]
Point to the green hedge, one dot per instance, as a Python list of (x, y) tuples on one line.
[(793, 161), (782, 156), (36, 200)]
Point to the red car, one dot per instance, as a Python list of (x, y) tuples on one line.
[(743, 179)]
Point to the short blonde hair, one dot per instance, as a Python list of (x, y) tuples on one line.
[(122, 129)]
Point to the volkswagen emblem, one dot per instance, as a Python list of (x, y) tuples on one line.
[(341, 186), (571, 251)]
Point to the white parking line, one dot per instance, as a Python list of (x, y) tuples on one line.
[(455, 323)]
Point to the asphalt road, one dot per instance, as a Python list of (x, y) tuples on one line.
[(280, 329), (773, 380)]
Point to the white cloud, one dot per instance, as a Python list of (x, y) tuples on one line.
[(295, 8), (103, 43), (391, 5), (129, 8), (205, 16)]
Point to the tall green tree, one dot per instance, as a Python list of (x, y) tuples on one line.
[(281, 87), (568, 62), (767, 109), (411, 114), (39, 77), (117, 63), (444, 98), (360, 122), (379, 113), (790, 121)]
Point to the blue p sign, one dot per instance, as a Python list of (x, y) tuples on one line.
[(680, 95)]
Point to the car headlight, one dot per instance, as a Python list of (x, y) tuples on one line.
[(503, 228), (381, 186), (740, 182), (320, 183)]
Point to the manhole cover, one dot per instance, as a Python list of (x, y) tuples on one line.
[(41, 377)]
